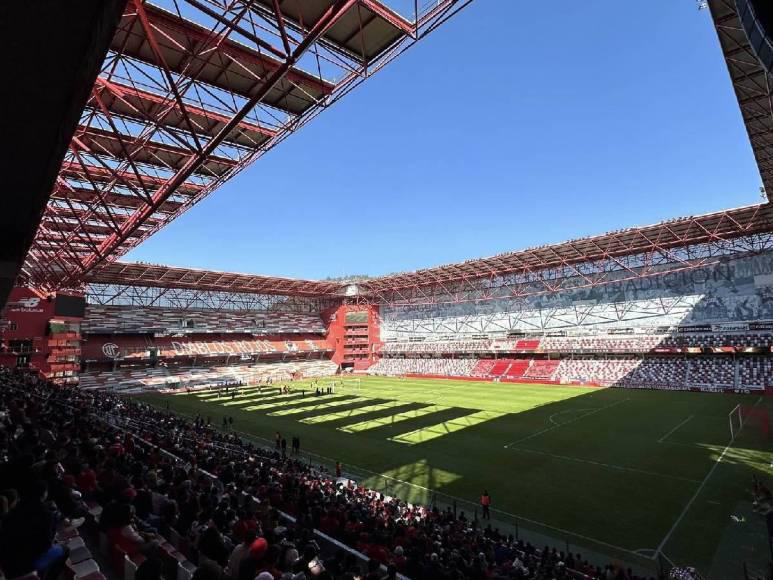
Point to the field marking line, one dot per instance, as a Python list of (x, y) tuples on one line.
[(687, 506), (667, 435), (607, 465), (563, 412), (548, 429)]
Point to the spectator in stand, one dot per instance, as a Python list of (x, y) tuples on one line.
[(239, 553), (27, 536)]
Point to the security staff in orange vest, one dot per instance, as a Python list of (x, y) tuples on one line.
[(485, 503)]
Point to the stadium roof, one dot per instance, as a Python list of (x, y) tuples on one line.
[(156, 276), (661, 237), (193, 91), (191, 94), (715, 227), (753, 85)]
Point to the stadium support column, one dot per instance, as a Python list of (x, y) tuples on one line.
[(354, 335), (42, 334)]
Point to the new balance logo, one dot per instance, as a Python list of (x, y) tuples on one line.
[(29, 302)]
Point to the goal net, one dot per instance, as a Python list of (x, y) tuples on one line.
[(750, 417)]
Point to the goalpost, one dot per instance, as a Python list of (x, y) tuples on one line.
[(743, 415), (736, 421)]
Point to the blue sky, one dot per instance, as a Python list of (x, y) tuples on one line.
[(516, 124)]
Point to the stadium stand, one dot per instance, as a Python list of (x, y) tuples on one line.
[(144, 379), (602, 371), (676, 372), (439, 366), (139, 320), (612, 343), (754, 373), (142, 347), (542, 369), (156, 491), (483, 368), (451, 346), (711, 372)]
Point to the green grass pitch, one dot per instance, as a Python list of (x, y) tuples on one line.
[(619, 472)]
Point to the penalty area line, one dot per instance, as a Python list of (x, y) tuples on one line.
[(687, 506), (548, 429), (667, 435), (607, 465)]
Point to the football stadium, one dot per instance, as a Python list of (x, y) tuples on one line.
[(592, 409)]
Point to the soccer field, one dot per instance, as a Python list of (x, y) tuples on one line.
[(620, 472)]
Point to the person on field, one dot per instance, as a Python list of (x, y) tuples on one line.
[(485, 504)]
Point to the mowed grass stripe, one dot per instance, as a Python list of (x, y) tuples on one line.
[(295, 403), (392, 419), (434, 431), (515, 397), (261, 398), (316, 405), (337, 416), (244, 393)]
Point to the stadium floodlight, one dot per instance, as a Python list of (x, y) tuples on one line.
[(702, 4)]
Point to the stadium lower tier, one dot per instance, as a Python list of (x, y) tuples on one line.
[(143, 379), (700, 372)]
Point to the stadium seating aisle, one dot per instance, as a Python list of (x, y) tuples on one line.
[(93, 465)]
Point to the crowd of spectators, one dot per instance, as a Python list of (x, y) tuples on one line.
[(63, 449), (450, 367)]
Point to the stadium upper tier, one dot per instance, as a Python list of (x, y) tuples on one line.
[(150, 320)]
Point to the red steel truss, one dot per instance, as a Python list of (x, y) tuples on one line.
[(684, 243), (192, 92), (679, 244), (154, 276), (752, 84)]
